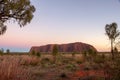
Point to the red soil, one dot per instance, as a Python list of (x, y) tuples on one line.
[(78, 74)]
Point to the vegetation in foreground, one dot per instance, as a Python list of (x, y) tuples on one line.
[(91, 66)]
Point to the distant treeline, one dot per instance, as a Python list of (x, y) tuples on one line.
[(17, 53)]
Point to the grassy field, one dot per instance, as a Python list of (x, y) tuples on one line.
[(14, 66)]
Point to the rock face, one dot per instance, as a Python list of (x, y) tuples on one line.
[(71, 47)]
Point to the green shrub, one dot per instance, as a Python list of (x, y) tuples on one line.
[(38, 54), (45, 60), (33, 52), (71, 67), (85, 54), (88, 66), (73, 54), (1, 53), (55, 52), (99, 59), (67, 60), (92, 52)]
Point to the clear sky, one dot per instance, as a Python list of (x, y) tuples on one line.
[(64, 21)]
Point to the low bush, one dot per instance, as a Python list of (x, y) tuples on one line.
[(66, 60), (28, 60), (33, 53), (1, 51), (99, 59), (71, 67), (45, 60), (78, 61), (63, 75), (73, 54), (88, 66), (38, 54)]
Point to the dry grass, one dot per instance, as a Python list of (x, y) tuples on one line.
[(29, 60), (11, 69), (26, 67)]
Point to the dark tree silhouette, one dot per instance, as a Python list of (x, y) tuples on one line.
[(116, 50), (20, 11), (112, 33), (55, 52)]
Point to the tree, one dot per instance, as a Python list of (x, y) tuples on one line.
[(20, 11), (7, 51), (55, 51), (1, 51), (91, 52), (116, 50), (112, 33), (73, 54), (33, 52)]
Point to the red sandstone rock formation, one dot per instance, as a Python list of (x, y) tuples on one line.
[(71, 47)]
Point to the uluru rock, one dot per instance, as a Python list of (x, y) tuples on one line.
[(70, 47)]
